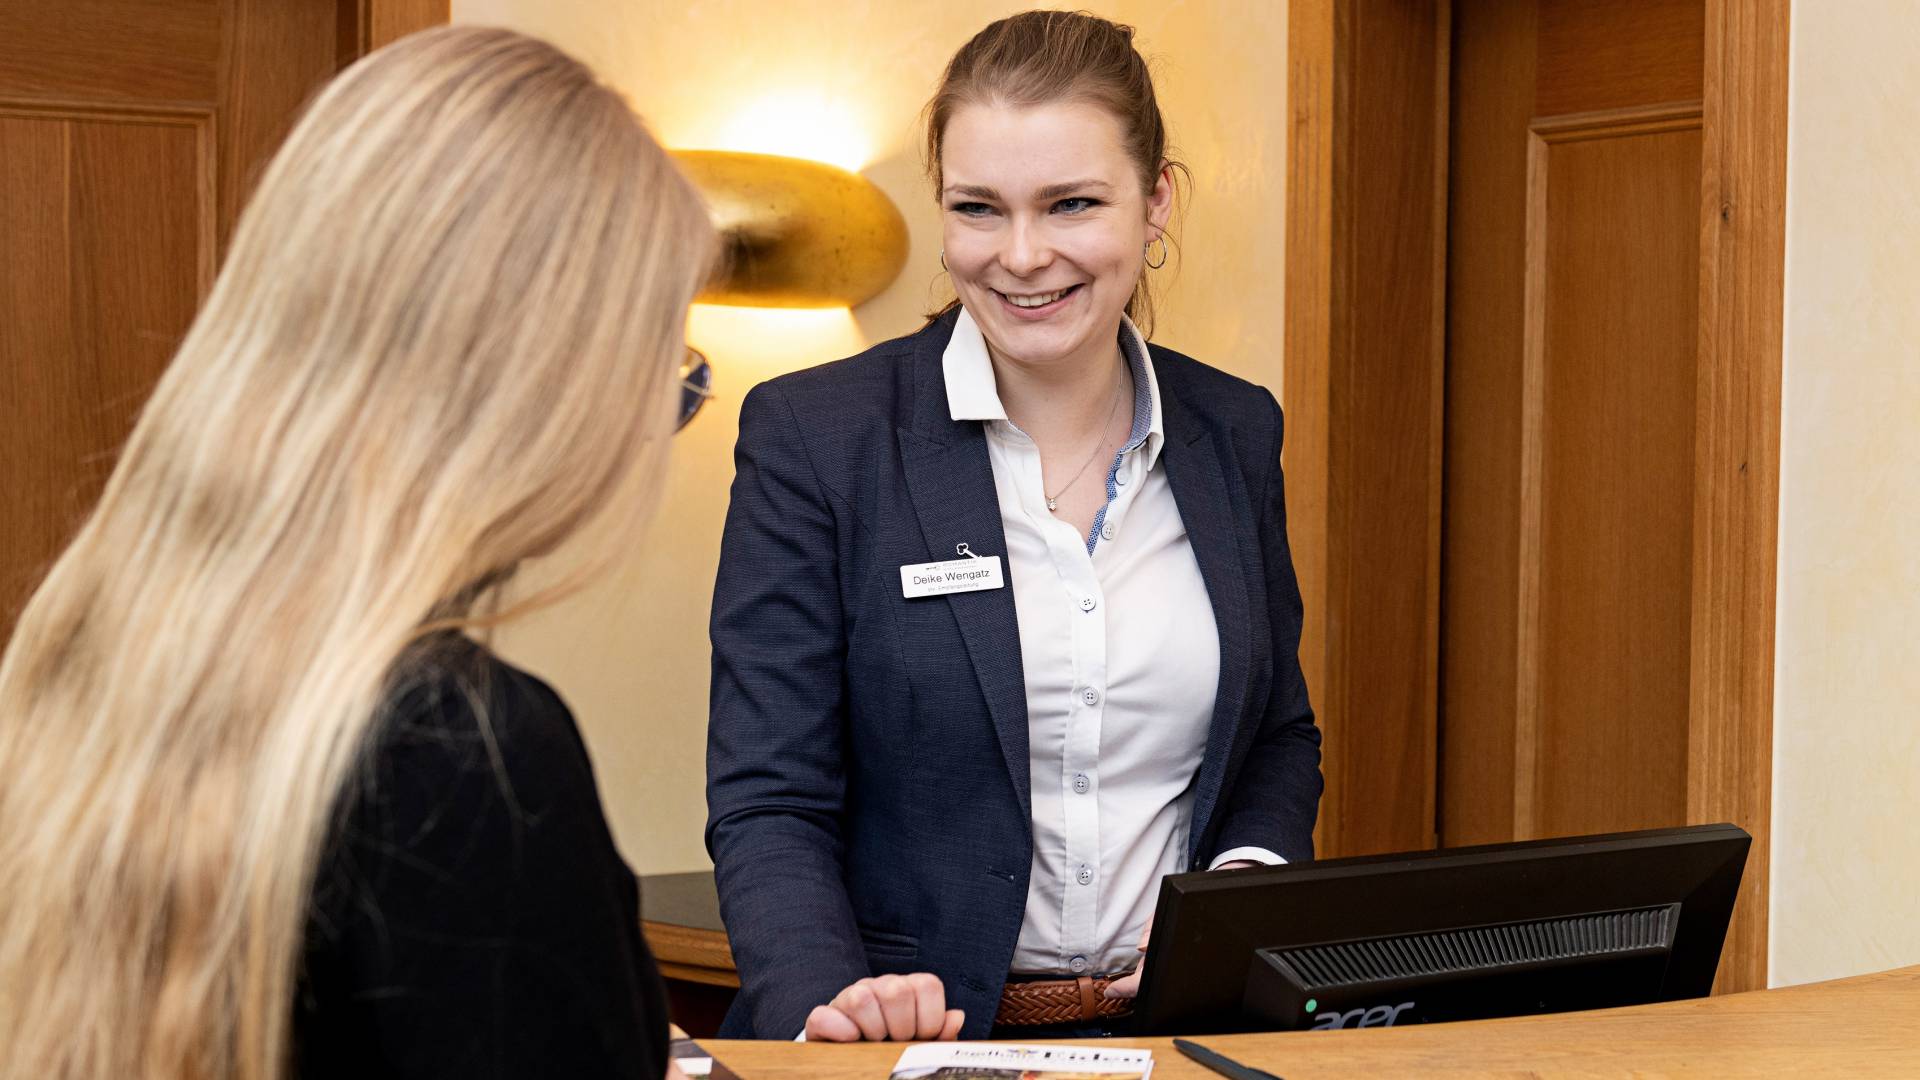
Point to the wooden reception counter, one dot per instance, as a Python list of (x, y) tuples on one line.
[(1864, 1026)]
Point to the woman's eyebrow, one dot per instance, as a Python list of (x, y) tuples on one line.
[(1051, 191), (1054, 191)]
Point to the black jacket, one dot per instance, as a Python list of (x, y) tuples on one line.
[(472, 917), (867, 775)]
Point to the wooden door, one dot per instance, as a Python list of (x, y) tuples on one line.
[(129, 134), (1599, 664), (1550, 408), (1572, 330)]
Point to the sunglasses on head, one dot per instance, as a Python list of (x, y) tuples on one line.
[(696, 386)]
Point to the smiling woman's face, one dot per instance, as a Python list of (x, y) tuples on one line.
[(1045, 226)]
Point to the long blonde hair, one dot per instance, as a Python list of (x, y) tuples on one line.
[(445, 337)]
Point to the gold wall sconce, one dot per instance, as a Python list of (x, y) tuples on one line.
[(797, 234)]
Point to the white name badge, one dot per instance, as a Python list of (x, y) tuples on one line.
[(971, 574)]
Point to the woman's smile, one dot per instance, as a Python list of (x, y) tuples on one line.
[(1037, 305)]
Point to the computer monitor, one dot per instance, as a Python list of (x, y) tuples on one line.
[(1456, 934)]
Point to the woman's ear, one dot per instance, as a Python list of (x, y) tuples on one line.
[(1160, 203)]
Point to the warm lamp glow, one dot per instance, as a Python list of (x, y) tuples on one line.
[(800, 125)]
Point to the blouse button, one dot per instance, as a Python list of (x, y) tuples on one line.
[(1120, 477), (1089, 604), (1081, 784), (1106, 531), (1085, 876), (1090, 696)]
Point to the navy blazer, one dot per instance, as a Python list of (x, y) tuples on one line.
[(867, 777)]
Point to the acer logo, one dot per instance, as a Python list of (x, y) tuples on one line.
[(1377, 1016)]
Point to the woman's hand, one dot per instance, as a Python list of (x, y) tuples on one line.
[(897, 1007), (1128, 985)]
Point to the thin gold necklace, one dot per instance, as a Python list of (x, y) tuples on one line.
[(1098, 445)]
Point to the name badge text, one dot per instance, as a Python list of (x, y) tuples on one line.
[(953, 576)]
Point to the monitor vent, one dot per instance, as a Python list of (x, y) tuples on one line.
[(1445, 951)]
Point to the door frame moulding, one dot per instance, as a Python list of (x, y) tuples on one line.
[(1736, 518), (1367, 180)]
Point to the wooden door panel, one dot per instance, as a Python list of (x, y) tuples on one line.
[(130, 135), (141, 252), (34, 301), (102, 280), (1606, 650), (125, 50), (1617, 54)]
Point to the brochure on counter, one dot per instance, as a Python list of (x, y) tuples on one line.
[(1014, 1061)]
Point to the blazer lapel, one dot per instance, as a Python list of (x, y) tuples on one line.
[(950, 480), (1199, 482)]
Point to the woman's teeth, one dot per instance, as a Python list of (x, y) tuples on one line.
[(1038, 299)]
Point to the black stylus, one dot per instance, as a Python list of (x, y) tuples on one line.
[(1221, 1063)]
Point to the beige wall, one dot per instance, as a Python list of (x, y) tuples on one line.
[(1846, 818), (844, 82)]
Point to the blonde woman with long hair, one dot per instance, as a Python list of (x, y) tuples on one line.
[(265, 809)]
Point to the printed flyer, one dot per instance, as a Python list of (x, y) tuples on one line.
[(1012, 1061)]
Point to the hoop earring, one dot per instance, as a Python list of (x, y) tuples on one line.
[(943, 261), (1146, 253)]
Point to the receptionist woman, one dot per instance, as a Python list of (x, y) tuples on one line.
[(1006, 627)]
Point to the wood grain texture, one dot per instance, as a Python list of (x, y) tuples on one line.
[(1861, 1027), (277, 56), (1386, 394), (692, 973), (35, 395), (1309, 284), (366, 25), (111, 50), (1726, 514), (1605, 627), (1737, 449), (1492, 95), (1610, 54), (1363, 389), (1533, 500), (1571, 319), (1435, 393), (109, 226), (700, 955), (389, 20)]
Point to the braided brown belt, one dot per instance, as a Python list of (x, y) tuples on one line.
[(1059, 1001)]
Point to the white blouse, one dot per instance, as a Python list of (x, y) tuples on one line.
[(1122, 661)]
